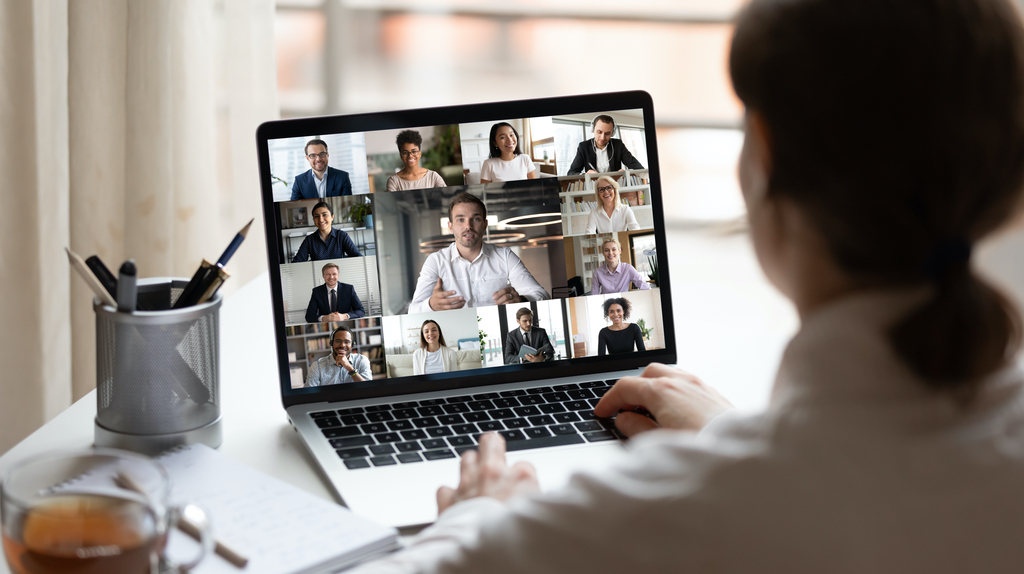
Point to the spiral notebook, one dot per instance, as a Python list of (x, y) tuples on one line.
[(280, 528)]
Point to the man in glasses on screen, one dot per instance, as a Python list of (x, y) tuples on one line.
[(342, 365), (470, 272), (321, 180)]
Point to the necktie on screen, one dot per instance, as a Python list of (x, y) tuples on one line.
[(526, 338), (334, 301)]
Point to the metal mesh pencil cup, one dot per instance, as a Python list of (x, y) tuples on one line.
[(158, 372)]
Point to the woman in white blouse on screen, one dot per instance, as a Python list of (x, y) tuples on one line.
[(433, 356), (610, 215), (506, 162)]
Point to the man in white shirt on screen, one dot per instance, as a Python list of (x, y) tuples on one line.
[(469, 272)]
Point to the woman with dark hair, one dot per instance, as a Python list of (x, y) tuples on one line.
[(412, 176), (620, 336), (506, 162), (884, 139), (433, 356)]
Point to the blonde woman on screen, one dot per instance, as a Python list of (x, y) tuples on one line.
[(610, 215), (615, 276)]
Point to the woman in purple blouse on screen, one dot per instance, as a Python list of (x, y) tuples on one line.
[(614, 276)]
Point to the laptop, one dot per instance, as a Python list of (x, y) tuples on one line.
[(417, 257)]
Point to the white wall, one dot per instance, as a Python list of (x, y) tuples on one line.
[(645, 305), (402, 331), (383, 141)]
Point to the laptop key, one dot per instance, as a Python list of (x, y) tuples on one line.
[(399, 425), (359, 452), (532, 400), (387, 437), (425, 422), (382, 449), (600, 391), (580, 394), (351, 411), (374, 428), (556, 397), (323, 414), (588, 426), (430, 411), (593, 402), (539, 390), (608, 424), (354, 463), (566, 417), (481, 405), (352, 441), (577, 405), (485, 396), (490, 426), (440, 431), (541, 420), (415, 434), (501, 414), (405, 405), (456, 408), (526, 411), (477, 417), (411, 446), (516, 423), (566, 387), (531, 433), (379, 417), (512, 435), (587, 415), (513, 393), (557, 440), (505, 403), (338, 432), (434, 443), (428, 402), (451, 419), (383, 460), (460, 440), (460, 399), (327, 422), (465, 429), (410, 457), (405, 414), (563, 429), (378, 408), (598, 436), (438, 454), (551, 408), (351, 420), (591, 384)]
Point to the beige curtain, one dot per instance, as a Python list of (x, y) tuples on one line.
[(127, 131)]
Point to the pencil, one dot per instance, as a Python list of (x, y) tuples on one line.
[(233, 246), (101, 292)]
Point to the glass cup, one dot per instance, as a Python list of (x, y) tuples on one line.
[(93, 511)]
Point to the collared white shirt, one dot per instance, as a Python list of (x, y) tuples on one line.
[(622, 219), (855, 467), (321, 184), (495, 268), (603, 160)]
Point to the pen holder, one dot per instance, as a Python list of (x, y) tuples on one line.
[(158, 372)]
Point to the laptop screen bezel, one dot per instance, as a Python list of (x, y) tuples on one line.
[(595, 103)]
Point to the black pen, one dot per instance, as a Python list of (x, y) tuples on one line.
[(101, 272), (127, 293)]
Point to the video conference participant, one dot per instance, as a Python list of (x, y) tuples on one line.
[(412, 176), (615, 276), (620, 336), (342, 365), (602, 153), (321, 180), (326, 242), (334, 300), (470, 272), (527, 334), (506, 162), (610, 215), (433, 356)]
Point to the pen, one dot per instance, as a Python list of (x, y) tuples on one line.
[(220, 275), (233, 246), (103, 274), (90, 279), (195, 287), (126, 287)]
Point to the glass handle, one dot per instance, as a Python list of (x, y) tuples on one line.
[(194, 521)]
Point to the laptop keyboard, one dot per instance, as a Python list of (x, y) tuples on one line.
[(436, 429)]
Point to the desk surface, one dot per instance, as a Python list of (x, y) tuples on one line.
[(725, 311)]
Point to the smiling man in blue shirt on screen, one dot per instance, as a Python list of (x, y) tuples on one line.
[(321, 180)]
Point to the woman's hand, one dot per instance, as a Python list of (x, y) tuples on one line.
[(677, 399), (486, 474)]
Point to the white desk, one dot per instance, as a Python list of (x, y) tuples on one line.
[(730, 326)]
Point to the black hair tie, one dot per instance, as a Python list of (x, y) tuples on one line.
[(946, 255)]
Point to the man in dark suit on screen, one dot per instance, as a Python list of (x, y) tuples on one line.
[(334, 300), (320, 181), (602, 153), (527, 334)]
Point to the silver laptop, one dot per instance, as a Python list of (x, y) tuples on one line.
[(439, 273)]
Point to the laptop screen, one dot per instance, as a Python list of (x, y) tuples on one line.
[(460, 246)]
